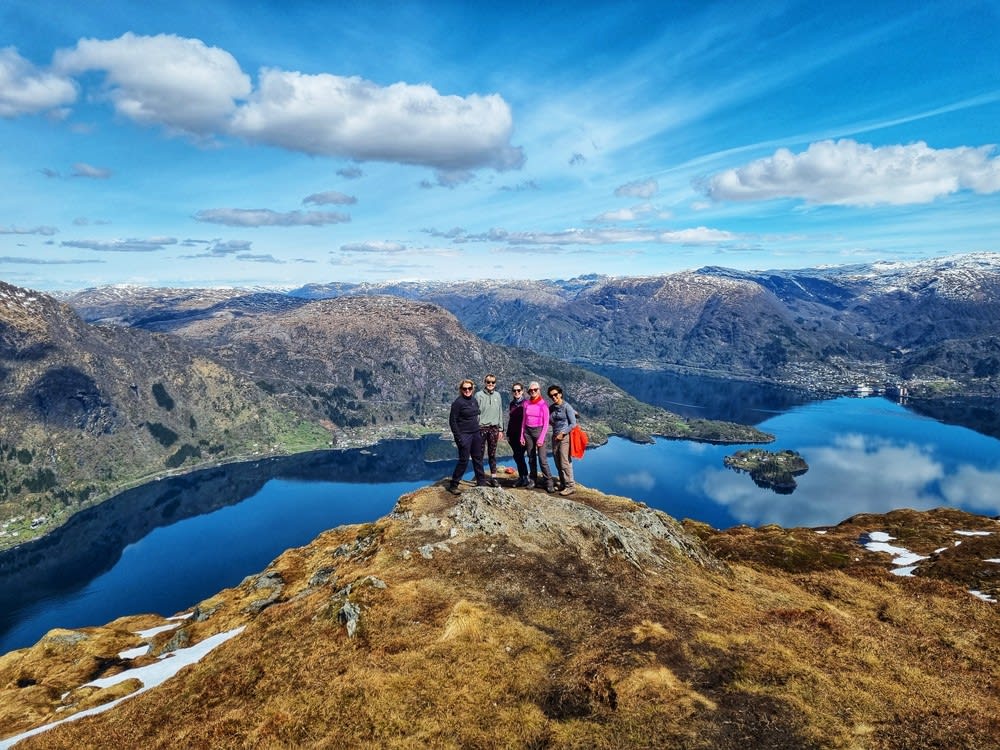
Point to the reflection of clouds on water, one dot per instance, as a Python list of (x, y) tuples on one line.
[(854, 474), (642, 480), (972, 487)]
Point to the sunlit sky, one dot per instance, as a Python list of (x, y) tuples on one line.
[(280, 143)]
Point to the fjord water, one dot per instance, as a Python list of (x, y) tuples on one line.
[(166, 546)]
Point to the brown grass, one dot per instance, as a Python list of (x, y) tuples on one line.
[(494, 645)]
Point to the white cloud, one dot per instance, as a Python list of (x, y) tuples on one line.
[(638, 189), (411, 124), (330, 197), (265, 217), (123, 246), (373, 247), (696, 236), (635, 213), (24, 89), (81, 169), (848, 173), (179, 83), (43, 230)]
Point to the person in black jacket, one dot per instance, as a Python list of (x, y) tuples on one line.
[(515, 418), (464, 423)]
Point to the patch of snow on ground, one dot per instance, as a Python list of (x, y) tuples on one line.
[(159, 629), (973, 533), (903, 560), (150, 676)]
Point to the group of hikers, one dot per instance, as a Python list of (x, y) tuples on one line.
[(477, 424)]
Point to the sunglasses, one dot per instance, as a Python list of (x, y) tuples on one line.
[(532, 390), (491, 382), (516, 390), (466, 387)]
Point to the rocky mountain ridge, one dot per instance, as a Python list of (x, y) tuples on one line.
[(926, 325), (929, 324), (499, 619)]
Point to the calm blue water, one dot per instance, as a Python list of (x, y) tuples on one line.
[(865, 455)]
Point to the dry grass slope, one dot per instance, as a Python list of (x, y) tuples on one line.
[(509, 618)]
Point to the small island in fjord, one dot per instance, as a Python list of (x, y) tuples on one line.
[(774, 469)]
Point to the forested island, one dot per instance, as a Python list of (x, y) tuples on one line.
[(773, 469)]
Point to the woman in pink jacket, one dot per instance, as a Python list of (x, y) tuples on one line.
[(533, 429)]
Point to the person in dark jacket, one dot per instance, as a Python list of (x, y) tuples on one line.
[(515, 418), (464, 424)]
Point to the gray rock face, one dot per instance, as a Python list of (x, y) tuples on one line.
[(641, 536)]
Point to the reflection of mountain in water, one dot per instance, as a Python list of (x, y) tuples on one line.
[(704, 397), (92, 541), (979, 414)]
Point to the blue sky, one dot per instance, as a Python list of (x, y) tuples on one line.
[(280, 143)]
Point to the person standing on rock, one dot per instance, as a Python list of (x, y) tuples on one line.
[(490, 419), (536, 424), (562, 419), (464, 423), (515, 421)]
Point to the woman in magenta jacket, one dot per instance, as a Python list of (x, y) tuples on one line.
[(533, 429)]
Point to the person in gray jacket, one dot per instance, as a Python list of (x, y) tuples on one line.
[(562, 419), (490, 419)]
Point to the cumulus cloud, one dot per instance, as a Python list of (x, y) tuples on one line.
[(331, 115), (577, 159), (42, 230), (25, 89), (150, 245), (182, 84), (265, 217), (330, 197), (351, 173), (848, 173), (80, 169), (638, 189), (374, 247)]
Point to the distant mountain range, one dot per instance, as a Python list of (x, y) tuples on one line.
[(932, 325)]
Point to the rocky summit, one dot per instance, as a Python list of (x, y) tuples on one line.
[(510, 618)]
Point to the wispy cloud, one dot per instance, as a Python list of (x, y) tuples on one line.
[(330, 197), (693, 236), (13, 260), (81, 169), (42, 230), (638, 189), (377, 247), (264, 217), (153, 244)]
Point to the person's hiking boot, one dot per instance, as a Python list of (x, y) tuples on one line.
[(454, 490), (566, 491), (529, 484), (550, 486)]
